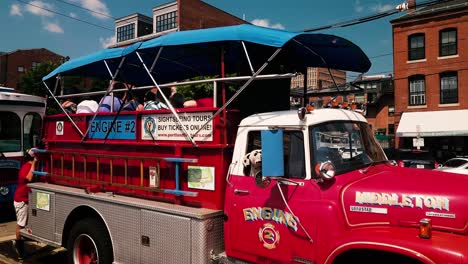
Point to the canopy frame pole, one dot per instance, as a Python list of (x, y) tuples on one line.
[(63, 109), (156, 59), (109, 89), (167, 101), (248, 58), (324, 62), (56, 84), (253, 77)]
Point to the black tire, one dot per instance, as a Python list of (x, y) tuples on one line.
[(89, 242)]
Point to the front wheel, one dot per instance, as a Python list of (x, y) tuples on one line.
[(89, 243)]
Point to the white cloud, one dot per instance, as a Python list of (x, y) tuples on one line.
[(358, 7), (266, 23), (96, 5), (37, 8), (381, 8), (106, 42), (73, 15), (15, 10), (53, 27)]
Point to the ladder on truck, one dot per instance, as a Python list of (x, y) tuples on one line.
[(69, 161)]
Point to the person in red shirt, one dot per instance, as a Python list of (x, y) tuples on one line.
[(21, 199)]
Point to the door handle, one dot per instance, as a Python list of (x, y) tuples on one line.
[(237, 191)]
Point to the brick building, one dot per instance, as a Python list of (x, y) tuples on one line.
[(431, 77), (318, 78), (174, 16), (16, 63), (371, 94)]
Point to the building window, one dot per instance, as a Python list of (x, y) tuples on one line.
[(359, 98), (416, 47), (144, 28), (166, 21), (391, 110), (417, 90), (448, 42), (20, 68), (448, 88), (34, 65), (125, 32)]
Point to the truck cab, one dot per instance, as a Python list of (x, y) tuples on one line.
[(326, 193)]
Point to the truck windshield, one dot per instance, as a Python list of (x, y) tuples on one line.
[(348, 145)]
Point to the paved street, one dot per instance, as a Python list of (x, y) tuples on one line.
[(37, 253)]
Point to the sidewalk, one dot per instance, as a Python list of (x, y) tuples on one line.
[(36, 253)]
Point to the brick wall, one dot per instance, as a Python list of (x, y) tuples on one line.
[(22, 58), (432, 65), (195, 14)]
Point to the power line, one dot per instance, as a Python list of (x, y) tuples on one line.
[(368, 18), (87, 9), (61, 14)]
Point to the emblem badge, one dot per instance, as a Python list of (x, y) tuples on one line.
[(269, 236)]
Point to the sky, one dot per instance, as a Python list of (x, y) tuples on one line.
[(71, 30)]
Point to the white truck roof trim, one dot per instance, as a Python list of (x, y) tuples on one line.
[(290, 118)]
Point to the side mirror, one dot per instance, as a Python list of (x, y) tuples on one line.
[(393, 163), (326, 170)]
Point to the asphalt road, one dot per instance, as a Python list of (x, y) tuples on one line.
[(36, 253)]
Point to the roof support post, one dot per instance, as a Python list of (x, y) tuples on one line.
[(109, 89), (165, 99), (63, 109), (248, 58), (253, 77)]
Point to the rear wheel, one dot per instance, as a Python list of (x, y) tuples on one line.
[(89, 243)]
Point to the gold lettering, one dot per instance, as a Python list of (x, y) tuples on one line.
[(267, 213), (406, 201), (256, 213), (418, 200), (361, 197), (248, 215)]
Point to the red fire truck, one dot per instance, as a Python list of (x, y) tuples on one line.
[(245, 180)]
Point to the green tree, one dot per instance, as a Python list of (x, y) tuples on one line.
[(31, 82)]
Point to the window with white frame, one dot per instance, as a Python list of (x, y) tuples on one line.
[(417, 90), (166, 21), (126, 32), (448, 88)]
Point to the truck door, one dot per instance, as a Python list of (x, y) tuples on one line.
[(263, 222)]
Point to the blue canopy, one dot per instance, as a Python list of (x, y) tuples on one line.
[(187, 54), (92, 65)]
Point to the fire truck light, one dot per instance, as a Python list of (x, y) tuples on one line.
[(425, 228)]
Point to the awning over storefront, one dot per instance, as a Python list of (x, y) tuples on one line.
[(433, 124)]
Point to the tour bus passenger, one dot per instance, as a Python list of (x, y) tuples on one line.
[(152, 102), (21, 199), (87, 106), (131, 102), (200, 102), (107, 100), (176, 99), (200, 99), (69, 106)]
